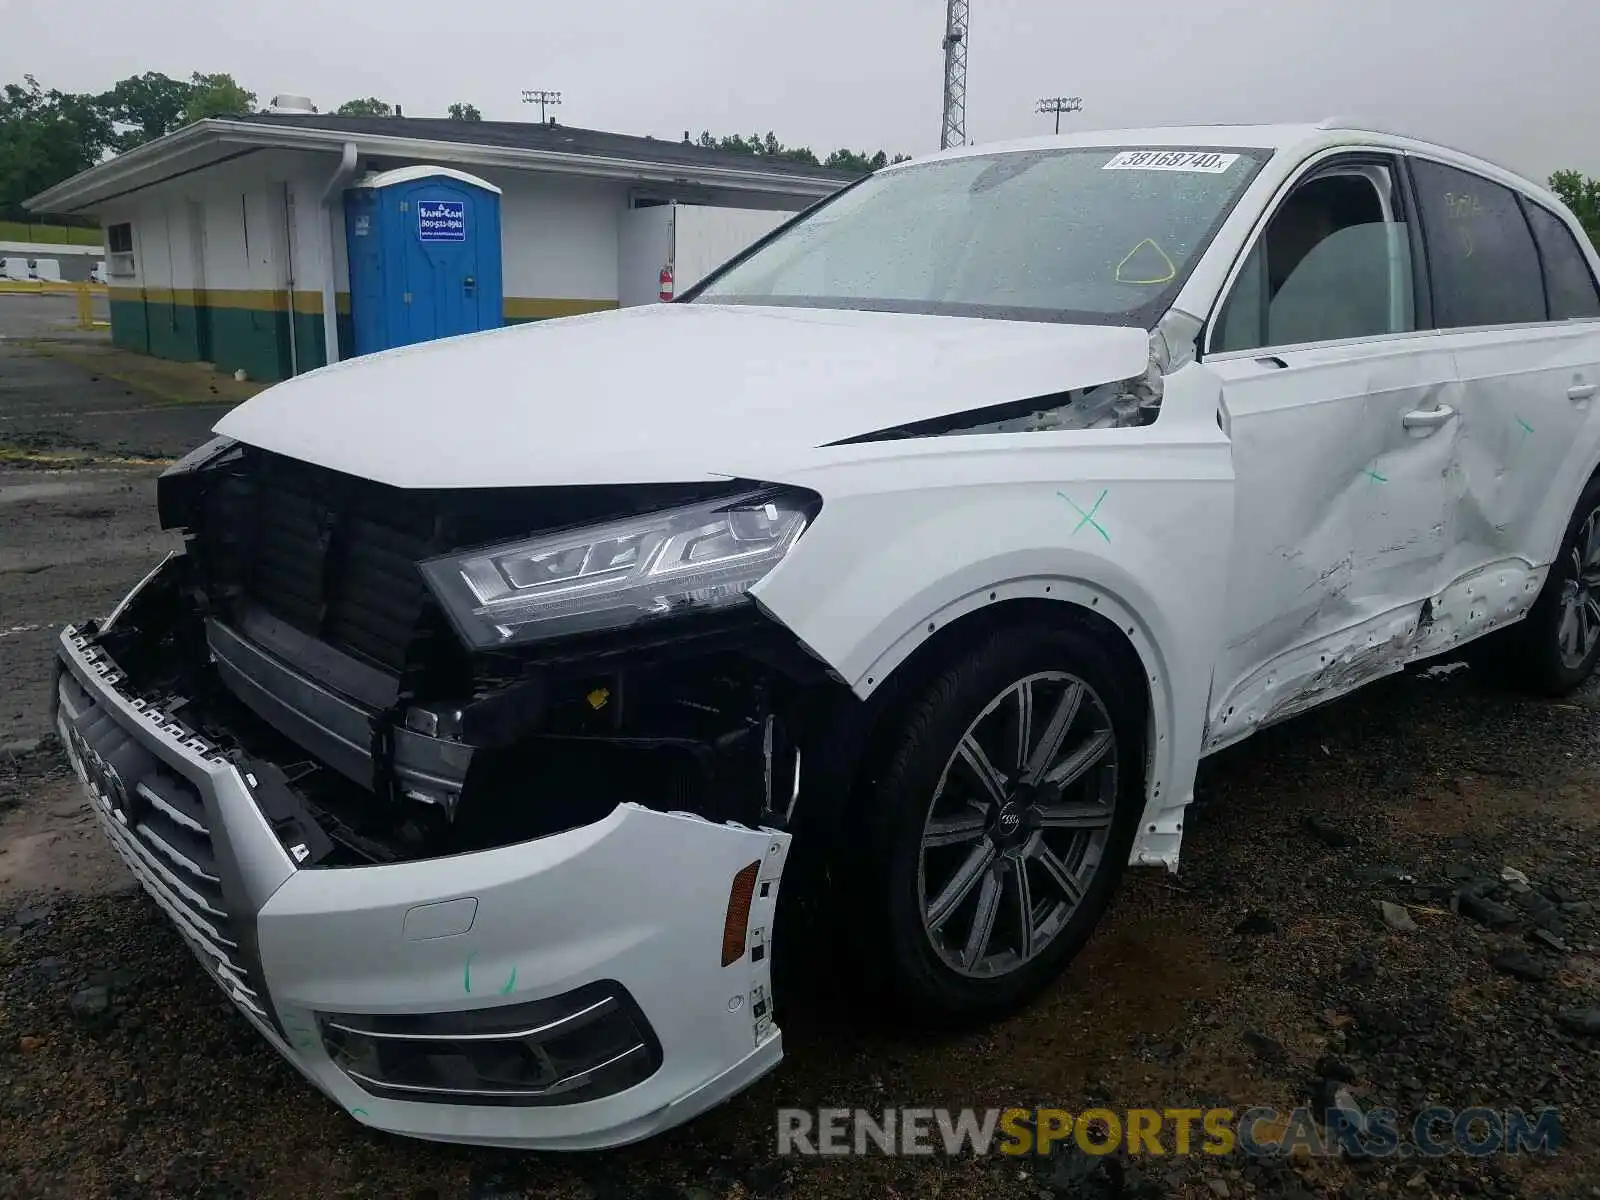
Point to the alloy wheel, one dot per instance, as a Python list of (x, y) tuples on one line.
[(1578, 629), (1018, 824)]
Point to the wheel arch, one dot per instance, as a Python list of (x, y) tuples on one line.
[(1561, 505), (856, 736)]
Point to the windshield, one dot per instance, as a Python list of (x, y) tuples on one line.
[(1102, 236)]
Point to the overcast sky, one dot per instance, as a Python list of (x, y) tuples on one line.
[(1513, 79)]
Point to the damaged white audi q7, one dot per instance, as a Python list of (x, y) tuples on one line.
[(468, 738)]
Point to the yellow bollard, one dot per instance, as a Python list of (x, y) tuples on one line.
[(85, 307)]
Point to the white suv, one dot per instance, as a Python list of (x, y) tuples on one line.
[(937, 538)]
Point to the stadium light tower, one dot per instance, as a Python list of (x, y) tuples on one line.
[(542, 99), (1059, 105), (953, 132)]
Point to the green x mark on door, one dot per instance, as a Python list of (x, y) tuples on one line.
[(1088, 517)]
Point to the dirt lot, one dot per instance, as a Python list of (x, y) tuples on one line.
[(1264, 973)]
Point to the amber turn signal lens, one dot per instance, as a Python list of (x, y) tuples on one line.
[(737, 926)]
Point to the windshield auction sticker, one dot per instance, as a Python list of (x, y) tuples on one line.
[(1205, 162)]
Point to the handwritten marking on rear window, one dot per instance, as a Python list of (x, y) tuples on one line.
[(1461, 209), (1204, 162)]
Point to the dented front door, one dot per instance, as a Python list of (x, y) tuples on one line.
[(1340, 454)]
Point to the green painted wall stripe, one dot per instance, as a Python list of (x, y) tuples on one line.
[(249, 330)]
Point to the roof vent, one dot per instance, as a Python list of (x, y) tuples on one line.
[(292, 104)]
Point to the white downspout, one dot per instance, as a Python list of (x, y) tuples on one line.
[(332, 211), (288, 269)]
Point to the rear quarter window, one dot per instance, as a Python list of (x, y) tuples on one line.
[(1567, 278), (1484, 265)]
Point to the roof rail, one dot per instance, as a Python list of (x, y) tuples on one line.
[(1347, 123)]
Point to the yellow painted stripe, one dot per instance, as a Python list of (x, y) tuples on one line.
[(187, 297), (526, 307)]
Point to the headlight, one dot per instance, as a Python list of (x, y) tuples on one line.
[(700, 557)]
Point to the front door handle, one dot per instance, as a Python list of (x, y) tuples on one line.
[(1428, 418), (1579, 392)]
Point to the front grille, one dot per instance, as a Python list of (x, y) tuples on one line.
[(157, 822), (333, 556)]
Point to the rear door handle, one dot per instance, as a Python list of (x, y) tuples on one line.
[(1579, 392), (1428, 418)]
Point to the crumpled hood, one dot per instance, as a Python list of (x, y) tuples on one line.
[(662, 393)]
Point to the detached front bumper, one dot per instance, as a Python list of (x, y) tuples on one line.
[(580, 973)]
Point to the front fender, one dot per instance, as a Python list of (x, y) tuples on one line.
[(917, 534)]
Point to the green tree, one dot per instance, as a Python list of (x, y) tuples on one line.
[(860, 163), (216, 96), (769, 146), (144, 107), (1581, 194), (46, 137), (370, 107), (465, 112)]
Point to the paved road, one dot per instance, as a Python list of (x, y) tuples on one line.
[(38, 315), (48, 406)]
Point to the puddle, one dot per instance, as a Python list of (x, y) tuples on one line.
[(22, 493)]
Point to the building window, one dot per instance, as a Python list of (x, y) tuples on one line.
[(119, 247)]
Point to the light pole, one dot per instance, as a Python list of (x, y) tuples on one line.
[(541, 98), (1059, 105), (953, 126)]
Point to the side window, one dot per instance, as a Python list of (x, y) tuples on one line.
[(1334, 262), (1567, 279), (1485, 268)]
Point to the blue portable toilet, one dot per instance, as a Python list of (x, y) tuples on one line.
[(424, 252)]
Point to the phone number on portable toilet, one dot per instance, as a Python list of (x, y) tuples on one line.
[(442, 220)]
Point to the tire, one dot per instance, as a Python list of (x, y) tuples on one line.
[(1543, 653), (913, 936)]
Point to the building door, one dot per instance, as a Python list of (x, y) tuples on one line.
[(439, 264)]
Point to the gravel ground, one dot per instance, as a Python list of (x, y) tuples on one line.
[(1264, 973), (79, 453)]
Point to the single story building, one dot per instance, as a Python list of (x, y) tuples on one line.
[(227, 240)]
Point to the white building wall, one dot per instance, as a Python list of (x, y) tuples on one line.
[(558, 239)]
